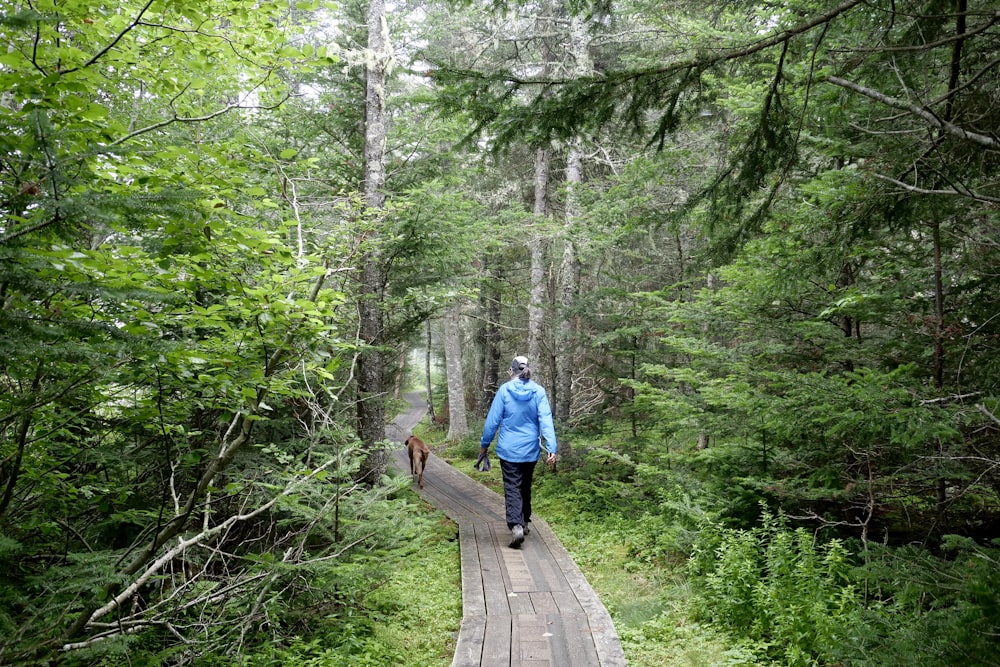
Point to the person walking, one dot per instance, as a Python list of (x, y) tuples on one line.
[(521, 412)]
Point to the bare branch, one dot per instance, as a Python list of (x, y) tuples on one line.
[(992, 417), (184, 544), (948, 399), (921, 112), (924, 191)]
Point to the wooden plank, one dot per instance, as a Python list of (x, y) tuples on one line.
[(567, 602), (609, 649), (581, 649), (527, 607), (497, 642), (546, 574), (473, 596), (515, 643), (533, 640), (520, 603), (543, 602), (518, 572), (494, 586), (512, 569), (471, 639)]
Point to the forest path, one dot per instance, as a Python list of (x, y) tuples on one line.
[(524, 607)]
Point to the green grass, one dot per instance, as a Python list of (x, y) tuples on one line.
[(419, 609), (410, 616)]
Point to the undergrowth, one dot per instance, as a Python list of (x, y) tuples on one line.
[(409, 616), (689, 581)]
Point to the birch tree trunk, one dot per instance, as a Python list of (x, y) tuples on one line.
[(458, 424), (371, 365)]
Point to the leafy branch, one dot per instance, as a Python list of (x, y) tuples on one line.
[(236, 436)]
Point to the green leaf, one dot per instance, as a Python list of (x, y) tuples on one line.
[(94, 112)]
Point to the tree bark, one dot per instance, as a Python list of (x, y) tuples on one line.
[(427, 374), (458, 424), (371, 364), (491, 340), (568, 290), (570, 282), (538, 241)]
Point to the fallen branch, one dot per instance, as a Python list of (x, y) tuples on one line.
[(184, 544)]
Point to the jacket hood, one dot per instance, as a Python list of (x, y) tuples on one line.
[(522, 391)]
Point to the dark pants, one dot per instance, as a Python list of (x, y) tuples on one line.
[(517, 491)]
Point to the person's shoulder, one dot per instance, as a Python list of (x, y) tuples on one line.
[(535, 387)]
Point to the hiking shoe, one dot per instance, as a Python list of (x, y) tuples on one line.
[(527, 529), (516, 536)]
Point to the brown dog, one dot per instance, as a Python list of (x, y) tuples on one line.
[(418, 452)]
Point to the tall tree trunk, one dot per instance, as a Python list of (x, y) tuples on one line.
[(427, 374), (543, 369), (458, 424), (400, 377), (570, 284), (491, 339), (568, 290), (539, 242), (371, 364)]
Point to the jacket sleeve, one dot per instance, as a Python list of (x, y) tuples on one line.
[(493, 419), (545, 423)]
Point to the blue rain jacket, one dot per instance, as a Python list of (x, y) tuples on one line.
[(521, 412)]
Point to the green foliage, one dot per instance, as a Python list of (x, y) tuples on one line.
[(689, 583), (780, 589), (166, 352), (408, 615), (932, 610)]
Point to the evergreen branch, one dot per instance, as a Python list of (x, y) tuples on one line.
[(487, 95), (51, 397), (968, 82), (921, 112), (702, 62), (17, 233), (944, 41), (51, 164)]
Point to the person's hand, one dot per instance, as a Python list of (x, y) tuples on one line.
[(551, 460), (483, 462)]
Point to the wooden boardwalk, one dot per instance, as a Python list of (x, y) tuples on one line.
[(524, 607)]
